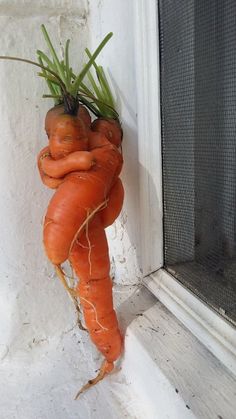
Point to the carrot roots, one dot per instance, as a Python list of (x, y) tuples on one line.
[(85, 223), (71, 293), (105, 369)]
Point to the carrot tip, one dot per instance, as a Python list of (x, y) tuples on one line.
[(105, 369)]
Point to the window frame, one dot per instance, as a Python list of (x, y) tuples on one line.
[(215, 332)]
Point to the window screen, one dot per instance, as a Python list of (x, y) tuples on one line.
[(198, 105)]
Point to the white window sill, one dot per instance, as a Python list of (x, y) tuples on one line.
[(165, 371), (173, 373), (216, 333)]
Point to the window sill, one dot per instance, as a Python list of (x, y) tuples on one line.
[(211, 329), (173, 373)]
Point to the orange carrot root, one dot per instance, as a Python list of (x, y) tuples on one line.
[(105, 369)]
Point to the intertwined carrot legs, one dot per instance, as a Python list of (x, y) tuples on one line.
[(90, 260)]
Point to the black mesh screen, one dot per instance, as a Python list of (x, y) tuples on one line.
[(198, 102)]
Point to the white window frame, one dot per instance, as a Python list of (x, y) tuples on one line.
[(216, 333)]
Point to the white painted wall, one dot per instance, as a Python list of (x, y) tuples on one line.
[(29, 291), (35, 312), (119, 60)]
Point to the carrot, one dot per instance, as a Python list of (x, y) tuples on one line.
[(51, 115), (53, 173), (116, 197), (90, 260), (67, 134), (84, 115), (57, 110), (82, 163), (71, 233), (48, 181), (79, 160), (79, 195), (110, 128)]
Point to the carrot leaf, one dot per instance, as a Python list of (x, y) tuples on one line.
[(81, 76), (54, 55)]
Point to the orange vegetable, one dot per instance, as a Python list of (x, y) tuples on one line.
[(79, 195), (90, 260), (116, 197), (82, 163), (85, 167), (79, 160), (48, 181), (110, 128), (57, 110)]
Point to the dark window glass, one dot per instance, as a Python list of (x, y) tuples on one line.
[(198, 102)]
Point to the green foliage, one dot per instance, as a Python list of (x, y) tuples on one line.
[(90, 86)]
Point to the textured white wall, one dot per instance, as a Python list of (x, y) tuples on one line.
[(118, 58), (36, 315), (26, 288)]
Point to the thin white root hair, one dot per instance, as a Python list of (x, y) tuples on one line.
[(101, 206), (71, 293), (90, 249), (82, 245), (45, 225), (95, 311), (71, 277), (62, 277)]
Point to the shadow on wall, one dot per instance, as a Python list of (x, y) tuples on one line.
[(138, 231), (134, 306), (124, 235), (141, 192)]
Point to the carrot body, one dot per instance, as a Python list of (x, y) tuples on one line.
[(90, 260), (79, 160), (110, 128), (77, 197), (115, 198), (114, 205), (53, 173), (84, 166), (67, 135), (84, 115), (48, 181), (51, 115), (58, 110)]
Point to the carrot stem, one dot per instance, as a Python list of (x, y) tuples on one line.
[(102, 80), (67, 64), (54, 55), (81, 76), (49, 83), (46, 59), (24, 60)]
